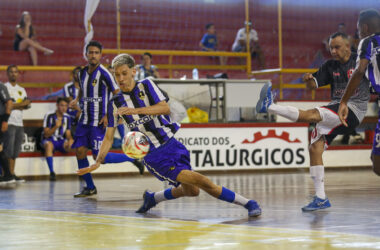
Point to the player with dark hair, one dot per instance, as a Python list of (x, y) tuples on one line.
[(143, 107), (334, 72), (56, 134), (367, 66), (96, 87), (146, 68), (70, 91)]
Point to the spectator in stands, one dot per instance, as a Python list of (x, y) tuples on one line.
[(70, 91), (209, 41), (25, 38), (146, 68), (5, 111), (15, 136), (57, 135), (240, 44)]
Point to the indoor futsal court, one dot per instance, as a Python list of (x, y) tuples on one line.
[(43, 215), (107, 105)]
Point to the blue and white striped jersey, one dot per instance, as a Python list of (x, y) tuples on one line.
[(369, 48), (49, 122), (69, 90), (159, 128), (97, 89)]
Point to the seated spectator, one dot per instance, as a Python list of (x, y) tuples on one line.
[(70, 91), (240, 44), (56, 134), (25, 38), (146, 69), (209, 41)]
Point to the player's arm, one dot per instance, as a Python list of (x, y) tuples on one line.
[(310, 82), (352, 85), (161, 108), (68, 135), (22, 105), (104, 148), (74, 103), (49, 131), (5, 98)]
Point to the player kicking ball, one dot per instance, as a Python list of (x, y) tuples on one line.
[(144, 108), (335, 72)]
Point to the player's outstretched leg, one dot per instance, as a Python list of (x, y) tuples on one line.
[(191, 182)]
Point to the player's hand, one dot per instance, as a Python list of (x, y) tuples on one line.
[(104, 121), (73, 104), (126, 111), (89, 169), (343, 113), (307, 77), (58, 122), (4, 127)]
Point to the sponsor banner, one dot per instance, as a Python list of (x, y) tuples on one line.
[(246, 147)]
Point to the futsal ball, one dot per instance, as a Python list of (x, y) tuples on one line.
[(135, 145)]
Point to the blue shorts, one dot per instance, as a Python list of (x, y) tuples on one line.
[(89, 136), (376, 139), (58, 144), (167, 161)]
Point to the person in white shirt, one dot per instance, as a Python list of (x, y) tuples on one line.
[(13, 141), (240, 44)]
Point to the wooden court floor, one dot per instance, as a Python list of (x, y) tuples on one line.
[(40, 214)]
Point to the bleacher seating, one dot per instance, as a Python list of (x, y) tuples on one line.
[(59, 26)]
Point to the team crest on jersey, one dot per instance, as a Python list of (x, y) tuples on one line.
[(94, 82), (349, 73), (19, 93), (142, 95)]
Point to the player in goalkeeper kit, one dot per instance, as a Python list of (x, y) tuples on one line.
[(144, 108)]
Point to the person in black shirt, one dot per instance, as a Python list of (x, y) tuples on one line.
[(334, 72), (25, 38)]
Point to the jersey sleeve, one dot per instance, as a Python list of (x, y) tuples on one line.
[(4, 94), (365, 48), (46, 121), (110, 81), (323, 77), (203, 41), (66, 92), (153, 92), (112, 115)]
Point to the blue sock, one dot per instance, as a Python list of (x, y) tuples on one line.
[(49, 161), (227, 195), (120, 128), (117, 158), (168, 194), (83, 163)]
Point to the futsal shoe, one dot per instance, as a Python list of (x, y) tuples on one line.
[(266, 99), (140, 166), (149, 202), (316, 204), (254, 209), (86, 192), (7, 180), (52, 177)]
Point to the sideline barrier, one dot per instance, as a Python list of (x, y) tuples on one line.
[(225, 147)]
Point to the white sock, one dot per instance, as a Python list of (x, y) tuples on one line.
[(159, 196), (240, 200), (288, 112), (317, 174)]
